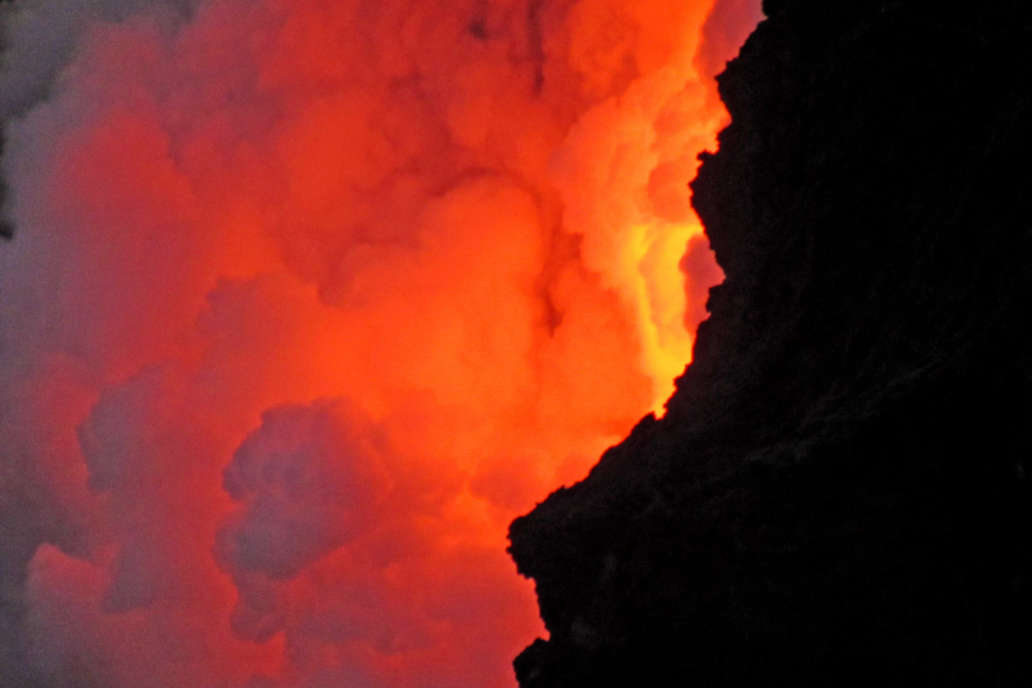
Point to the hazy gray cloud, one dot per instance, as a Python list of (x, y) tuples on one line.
[(40, 38)]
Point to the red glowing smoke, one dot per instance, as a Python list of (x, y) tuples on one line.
[(309, 299)]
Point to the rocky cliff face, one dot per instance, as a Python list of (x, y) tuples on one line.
[(839, 493)]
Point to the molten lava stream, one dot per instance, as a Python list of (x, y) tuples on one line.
[(312, 298)]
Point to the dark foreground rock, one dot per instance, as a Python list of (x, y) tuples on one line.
[(839, 493)]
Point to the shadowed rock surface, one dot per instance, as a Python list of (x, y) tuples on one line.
[(839, 493)]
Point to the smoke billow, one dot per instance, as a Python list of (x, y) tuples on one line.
[(306, 300)]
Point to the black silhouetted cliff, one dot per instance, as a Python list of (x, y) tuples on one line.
[(839, 493)]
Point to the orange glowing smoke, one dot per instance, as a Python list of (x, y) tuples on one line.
[(309, 299)]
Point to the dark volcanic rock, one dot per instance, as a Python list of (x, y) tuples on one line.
[(839, 493)]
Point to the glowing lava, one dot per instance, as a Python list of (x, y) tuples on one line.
[(309, 299)]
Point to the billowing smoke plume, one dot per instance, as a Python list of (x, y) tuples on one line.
[(307, 299)]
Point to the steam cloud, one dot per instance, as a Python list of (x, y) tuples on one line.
[(307, 300)]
